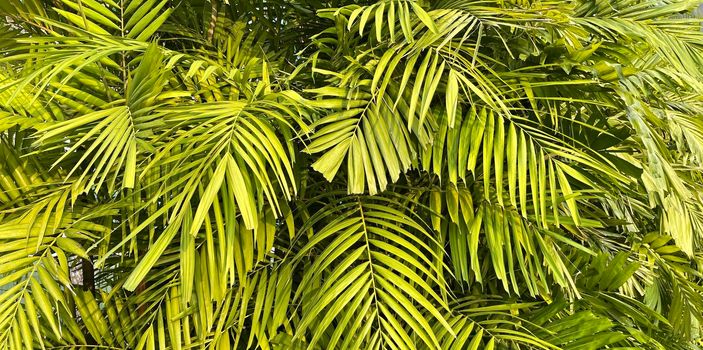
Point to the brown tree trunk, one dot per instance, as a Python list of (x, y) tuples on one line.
[(88, 275)]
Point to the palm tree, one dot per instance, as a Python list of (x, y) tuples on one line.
[(399, 174)]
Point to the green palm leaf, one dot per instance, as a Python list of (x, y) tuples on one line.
[(393, 174)]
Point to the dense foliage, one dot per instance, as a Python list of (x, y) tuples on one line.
[(400, 174)]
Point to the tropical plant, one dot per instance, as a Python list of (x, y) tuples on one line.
[(399, 174)]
